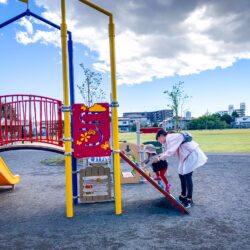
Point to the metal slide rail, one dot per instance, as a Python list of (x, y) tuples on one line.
[(30, 118), (169, 196)]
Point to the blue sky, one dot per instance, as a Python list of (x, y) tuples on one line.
[(32, 64)]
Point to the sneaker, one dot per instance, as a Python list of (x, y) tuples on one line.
[(157, 178), (168, 188), (189, 203), (182, 199)]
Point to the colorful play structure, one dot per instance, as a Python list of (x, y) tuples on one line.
[(75, 130), (6, 177)]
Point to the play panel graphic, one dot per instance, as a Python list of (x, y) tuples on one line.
[(91, 130)]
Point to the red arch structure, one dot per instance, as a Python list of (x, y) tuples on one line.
[(30, 118)]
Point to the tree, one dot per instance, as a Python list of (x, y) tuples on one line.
[(155, 125), (227, 118), (234, 115), (90, 88), (177, 99), (207, 122)]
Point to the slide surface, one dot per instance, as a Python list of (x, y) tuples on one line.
[(6, 177), (169, 196)]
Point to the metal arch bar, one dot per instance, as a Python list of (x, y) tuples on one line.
[(29, 147), (11, 20), (30, 13)]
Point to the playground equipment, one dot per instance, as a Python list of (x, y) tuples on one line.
[(86, 131), (131, 151), (68, 94), (6, 177), (95, 184), (30, 118), (169, 196)]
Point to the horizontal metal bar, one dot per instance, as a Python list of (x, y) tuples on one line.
[(67, 154), (114, 104), (67, 139), (66, 108)]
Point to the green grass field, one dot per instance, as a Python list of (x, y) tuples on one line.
[(228, 140)]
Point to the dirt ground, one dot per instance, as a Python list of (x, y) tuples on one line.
[(33, 215)]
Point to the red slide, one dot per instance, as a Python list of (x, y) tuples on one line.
[(169, 196)]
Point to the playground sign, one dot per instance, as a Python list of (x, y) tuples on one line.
[(91, 130)]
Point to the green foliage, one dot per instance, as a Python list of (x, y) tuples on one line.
[(234, 115), (207, 122), (227, 118), (90, 88), (56, 161), (133, 128), (155, 125), (177, 99)]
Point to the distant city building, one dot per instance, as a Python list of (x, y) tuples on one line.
[(230, 109), (170, 124), (241, 111), (135, 114), (222, 113), (188, 115), (242, 122), (160, 115), (124, 124), (152, 117), (243, 106)]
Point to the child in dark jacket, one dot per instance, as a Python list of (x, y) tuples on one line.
[(159, 167)]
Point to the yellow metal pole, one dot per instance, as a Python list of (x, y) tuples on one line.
[(115, 131), (96, 7), (67, 134)]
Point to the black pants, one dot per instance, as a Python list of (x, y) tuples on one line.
[(186, 185)]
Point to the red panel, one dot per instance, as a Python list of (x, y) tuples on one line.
[(91, 130), (149, 130)]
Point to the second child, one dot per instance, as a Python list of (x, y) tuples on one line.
[(159, 167)]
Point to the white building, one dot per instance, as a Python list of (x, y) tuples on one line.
[(242, 122), (230, 109), (123, 124), (170, 124)]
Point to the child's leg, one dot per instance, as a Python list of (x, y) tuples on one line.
[(183, 185), (189, 183), (158, 177), (163, 177)]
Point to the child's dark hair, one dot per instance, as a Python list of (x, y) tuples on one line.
[(160, 132), (163, 132)]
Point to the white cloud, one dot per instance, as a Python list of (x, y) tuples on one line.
[(3, 1), (155, 39), (45, 37), (29, 36), (27, 25)]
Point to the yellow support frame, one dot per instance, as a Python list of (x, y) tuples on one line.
[(66, 96), (115, 131)]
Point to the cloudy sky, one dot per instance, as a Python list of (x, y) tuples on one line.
[(206, 44)]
